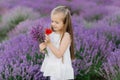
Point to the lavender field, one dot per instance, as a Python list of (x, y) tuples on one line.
[(96, 25)]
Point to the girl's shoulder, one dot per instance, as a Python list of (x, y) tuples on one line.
[(67, 34)]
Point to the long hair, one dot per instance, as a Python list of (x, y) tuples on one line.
[(67, 26)]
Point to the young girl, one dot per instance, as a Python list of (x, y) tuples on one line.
[(60, 46)]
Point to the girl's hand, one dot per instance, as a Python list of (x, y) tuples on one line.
[(42, 46), (47, 39)]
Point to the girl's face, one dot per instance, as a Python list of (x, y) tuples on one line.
[(57, 22)]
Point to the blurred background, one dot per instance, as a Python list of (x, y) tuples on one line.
[(96, 25)]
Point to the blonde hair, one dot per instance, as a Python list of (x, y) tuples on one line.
[(68, 25)]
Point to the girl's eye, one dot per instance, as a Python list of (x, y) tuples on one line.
[(56, 22)]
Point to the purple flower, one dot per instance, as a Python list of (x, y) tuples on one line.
[(23, 55), (38, 33)]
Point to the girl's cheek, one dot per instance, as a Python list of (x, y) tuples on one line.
[(51, 24)]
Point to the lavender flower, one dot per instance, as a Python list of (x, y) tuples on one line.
[(92, 49), (26, 26), (38, 33), (111, 68), (97, 48), (15, 16), (17, 61)]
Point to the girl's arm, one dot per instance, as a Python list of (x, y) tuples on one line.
[(58, 52)]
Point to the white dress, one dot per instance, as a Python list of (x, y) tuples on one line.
[(55, 67)]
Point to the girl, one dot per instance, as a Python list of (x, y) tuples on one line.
[(60, 46)]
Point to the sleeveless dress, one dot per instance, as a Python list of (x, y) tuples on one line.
[(55, 67)]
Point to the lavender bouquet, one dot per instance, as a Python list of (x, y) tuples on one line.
[(37, 33)]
